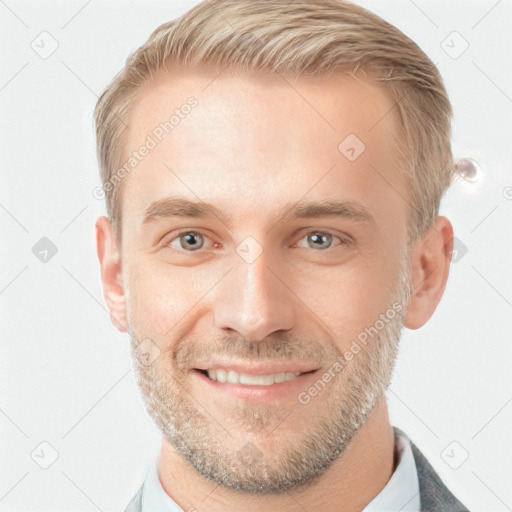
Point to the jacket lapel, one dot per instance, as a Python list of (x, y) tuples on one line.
[(434, 495)]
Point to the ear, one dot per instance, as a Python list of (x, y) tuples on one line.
[(111, 275), (431, 257)]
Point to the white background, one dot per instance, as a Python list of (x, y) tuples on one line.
[(65, 375)]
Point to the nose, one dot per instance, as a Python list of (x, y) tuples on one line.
[(254, 300)]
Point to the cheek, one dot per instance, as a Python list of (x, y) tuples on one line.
[(352, 300), (156, 302)]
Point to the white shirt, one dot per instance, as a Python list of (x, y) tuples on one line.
[(402, 492)]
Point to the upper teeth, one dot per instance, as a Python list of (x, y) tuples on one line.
[(233, 377)]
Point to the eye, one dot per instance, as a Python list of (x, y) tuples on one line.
[(322, 240), (188, 241), (192, 241)]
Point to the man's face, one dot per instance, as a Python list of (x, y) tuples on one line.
[(257, 284)]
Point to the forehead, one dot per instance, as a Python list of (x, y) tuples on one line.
[(256, 140), (332, 104)]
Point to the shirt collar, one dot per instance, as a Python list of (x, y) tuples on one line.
[(402, 492), (154, 498)]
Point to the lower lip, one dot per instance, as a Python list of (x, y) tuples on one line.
[(255, 393)]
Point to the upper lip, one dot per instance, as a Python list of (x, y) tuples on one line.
[(259, 368)]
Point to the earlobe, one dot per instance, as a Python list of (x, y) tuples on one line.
[(430, 265), (111, 273)]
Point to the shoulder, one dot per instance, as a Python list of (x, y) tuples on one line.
[(434, 495)]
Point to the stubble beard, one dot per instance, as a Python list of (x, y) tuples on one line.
[(265, 449)]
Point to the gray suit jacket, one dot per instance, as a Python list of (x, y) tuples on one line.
[(434, 495)]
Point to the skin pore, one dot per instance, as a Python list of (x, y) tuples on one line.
[(254, 147)]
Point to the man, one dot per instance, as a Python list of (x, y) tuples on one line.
[(301, 149)]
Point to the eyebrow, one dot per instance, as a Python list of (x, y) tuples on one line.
[(181, 207)]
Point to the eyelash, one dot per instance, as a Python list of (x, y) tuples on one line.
[(344, 241)]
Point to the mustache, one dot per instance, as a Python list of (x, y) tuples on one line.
[(188, 352)]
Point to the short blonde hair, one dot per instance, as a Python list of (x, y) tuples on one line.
[(303, 37)]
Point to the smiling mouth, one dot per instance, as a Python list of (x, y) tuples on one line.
[(232, 377)]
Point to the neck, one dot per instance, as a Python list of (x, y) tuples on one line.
[(350, 484)]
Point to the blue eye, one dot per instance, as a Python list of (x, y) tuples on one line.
[(318, 240), (189, 240), (192, 241), (322, 240)]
